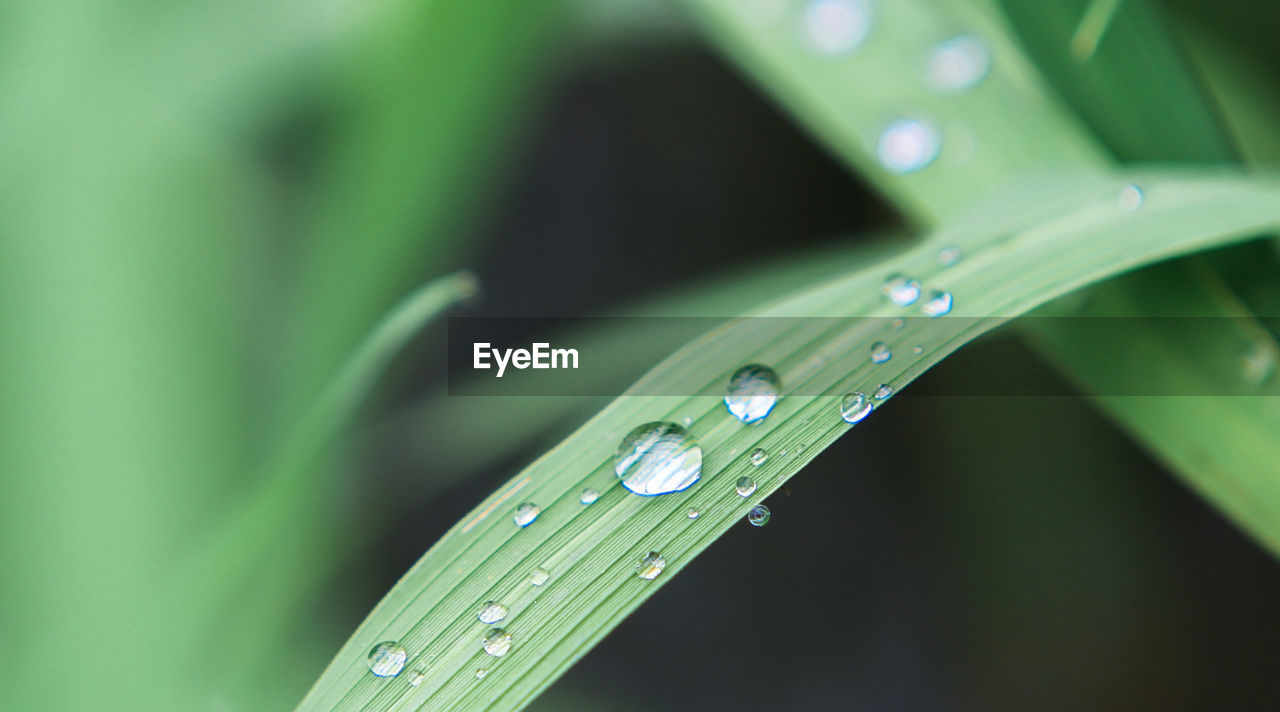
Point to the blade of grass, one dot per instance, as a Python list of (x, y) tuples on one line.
[(591, 552)]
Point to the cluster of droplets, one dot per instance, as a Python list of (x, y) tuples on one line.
[(905, 291)]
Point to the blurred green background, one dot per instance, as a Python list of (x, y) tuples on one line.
[(205, 206)]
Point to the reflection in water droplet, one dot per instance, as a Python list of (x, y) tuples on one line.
[(744, 486), (651, 564), (837, 26), (658, 458), (880, 352), (589, 496), (496, 642), (901, 289), (948, 256), (759, 515), (854, 407), (908, 145), (539, 577), (526, 513), (752, 392), (957, 64), (938, 304), (759, 456), (386, 659), (694, 514), (492, 612), (884, 391), (1131, 197)]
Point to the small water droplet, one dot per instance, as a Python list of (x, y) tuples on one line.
[(948, 256), (854, 407), (897, 324), (938, 304), (880, 352), (538, 577), (651, 564), (759, 515), (759, 456), (908, 145), (901, 289), (884, 391), (658, 458), (496, 642), (526, 513), (752, 392), (480, 673), (492, 612), (957, 64), (1131, 197), (589, 496), (694, 514), (387, 659), (917, 349), (416, 678), (837, 26), (687, 420), (744, 486)]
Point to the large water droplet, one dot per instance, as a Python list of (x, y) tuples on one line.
[(496, 642), (880, 352), (752, 392), (901, 289), (908, 145), (938, 304), (387, 659), (651, 564), (492, 612), (744, 486), (658, 458), (957, 64), (759, 456), (589, 496), (948, 256), (538, 577), (526, 513), (759, 515), (837, 26), (1131, 197), (854, 407)]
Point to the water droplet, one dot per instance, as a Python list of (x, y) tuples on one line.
[(416, 678), (880, 352), (917, 349), (759, 515), (386, 659), (687, 420), (752, 392), (837, 26), (884, 391), (1131, 197), (651, 564), (744, 486), (759, 456), (948, 256), (538, 577), (901, 290), (957, 64), (526, 513), (897, 324), (589, 496), (496, 642), (938, 304), (480, 673), (492, 612), (854, 407), (908, 145), (658, 458), (694, 514)]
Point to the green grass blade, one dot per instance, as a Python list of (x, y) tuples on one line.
[(1070, 233)]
